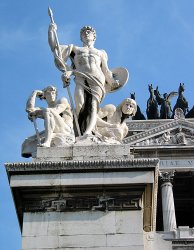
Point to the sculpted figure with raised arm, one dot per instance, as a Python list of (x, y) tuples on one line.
[(58, 121), (92, 75)]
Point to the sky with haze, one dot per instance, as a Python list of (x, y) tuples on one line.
[(153, 39)]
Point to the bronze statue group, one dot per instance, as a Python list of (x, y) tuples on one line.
[(159, 106)]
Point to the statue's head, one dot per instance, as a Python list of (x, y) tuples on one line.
[(87, 33), (128, 107), (49, 93)]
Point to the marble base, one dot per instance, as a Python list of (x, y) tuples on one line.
[(86, 152), (92, 197)]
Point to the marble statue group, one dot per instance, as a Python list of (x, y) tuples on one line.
[(85, 120), (88, 122)]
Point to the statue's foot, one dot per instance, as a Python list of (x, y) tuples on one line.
[(83, 137), (45, 145), (88, 139)]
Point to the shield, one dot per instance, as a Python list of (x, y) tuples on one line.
[(119, 74)]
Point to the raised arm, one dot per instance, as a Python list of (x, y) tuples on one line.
[(61, 52), (30, 105), (52, 37)]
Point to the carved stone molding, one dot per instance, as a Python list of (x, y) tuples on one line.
[(152, 135), (166, 176), (102, 203), (51, 189), (174, 137), (139, 125), (185, 242), (150, 132), (65, 166)]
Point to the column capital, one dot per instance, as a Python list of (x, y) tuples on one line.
[(166, 176)]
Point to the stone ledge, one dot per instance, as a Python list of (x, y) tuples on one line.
[(80, 166), (84, 152), (82, 179)]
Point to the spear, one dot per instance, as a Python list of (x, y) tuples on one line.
[(50, 13), (59, 57)]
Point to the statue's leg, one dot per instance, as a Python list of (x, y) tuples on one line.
[(79, 97), (91, 123), (59, 125), (49, 124)]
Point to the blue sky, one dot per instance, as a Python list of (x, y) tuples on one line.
[(153, 39)]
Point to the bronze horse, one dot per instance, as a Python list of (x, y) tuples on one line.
[(139, 115), (152, 105), (181, 100)]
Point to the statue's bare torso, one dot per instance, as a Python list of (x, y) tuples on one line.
[(89, 61), (90, 70)]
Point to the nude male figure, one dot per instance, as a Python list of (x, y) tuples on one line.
[(57, 116), (89, 66)]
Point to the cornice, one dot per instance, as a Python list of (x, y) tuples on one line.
[(157, 130), (79, 166)]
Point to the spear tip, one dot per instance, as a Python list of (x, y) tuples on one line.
[(50, 11)]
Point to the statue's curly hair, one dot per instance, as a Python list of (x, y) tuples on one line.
[(130, 101), (48, 88), (88, 28)]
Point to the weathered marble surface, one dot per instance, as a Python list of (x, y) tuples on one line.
[(86, 204), (58, 121), (111, 124), (90, 68), (168, 208), (75, 230), (84, 152), (74, 179), (176, 132), (155, 241)]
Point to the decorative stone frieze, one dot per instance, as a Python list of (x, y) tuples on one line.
[(178, 132), (65, 166), (78, 203), (166, 176)]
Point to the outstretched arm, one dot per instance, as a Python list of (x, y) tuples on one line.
[(102, 123)]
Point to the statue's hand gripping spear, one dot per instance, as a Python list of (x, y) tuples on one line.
[(62, 67)]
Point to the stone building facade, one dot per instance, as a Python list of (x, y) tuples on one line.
[(137, 195), (172, 141)]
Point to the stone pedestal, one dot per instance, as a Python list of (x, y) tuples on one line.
[(104, 201)]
